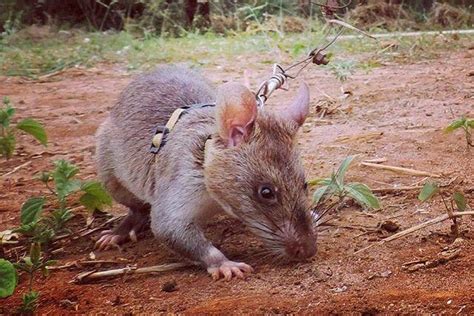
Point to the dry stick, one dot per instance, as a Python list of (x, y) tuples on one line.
[(376, 160), (79, 263), (415, 228), (16, 169), (409, 171), (92, 275), (408, 188), (404, 188), (344, 24)]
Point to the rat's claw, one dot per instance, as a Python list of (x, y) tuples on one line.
[(133, 235), (107, 240), (228, 269)]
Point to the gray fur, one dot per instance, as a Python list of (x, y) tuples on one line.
[(176, 185)]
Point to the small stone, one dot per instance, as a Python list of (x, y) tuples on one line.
[(390, 226), (169, 286)]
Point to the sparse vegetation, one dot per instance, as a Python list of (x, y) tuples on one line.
[(457, 203), (31, 265), (467, 125), (8, 131), (42, 229), (335, 186)]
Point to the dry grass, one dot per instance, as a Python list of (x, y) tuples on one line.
[(445, 15)]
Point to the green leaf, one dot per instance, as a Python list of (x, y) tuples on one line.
[(26, 230), (341, 172), (8, 278), (62, 175), (7, 145), (30, 301), (362, 194), (59, 218), (44, 176), (319, 193), (470, 123), (455, 125), (31, 210), (6, 114), (34, 128), (428, 191), (35, 254), (95, 196), (319, 181), (460, 200)]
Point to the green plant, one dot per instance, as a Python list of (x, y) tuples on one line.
[(342, 69), (7, 131), (32, 264), (456, 203), (64, 184), (336, 186), (8, 278), (467, 124)]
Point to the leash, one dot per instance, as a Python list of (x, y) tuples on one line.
[(278, 79)]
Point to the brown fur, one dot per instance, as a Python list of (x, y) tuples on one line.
[(182, 188)]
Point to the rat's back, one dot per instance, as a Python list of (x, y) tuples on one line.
[(124, 139)]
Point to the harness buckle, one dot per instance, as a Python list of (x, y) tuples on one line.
[(159, 138)]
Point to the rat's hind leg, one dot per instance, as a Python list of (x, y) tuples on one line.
[(137, 219), (139, 212)]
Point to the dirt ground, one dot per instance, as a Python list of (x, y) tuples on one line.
[(396, 112)]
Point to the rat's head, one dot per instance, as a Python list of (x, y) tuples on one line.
[(254, 170)]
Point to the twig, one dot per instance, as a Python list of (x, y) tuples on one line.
[(81, 263), (376, 160), (113, 219), (396, 189), (415, 228), (412, 172), (16, 169), (344, 24), (93, 275)]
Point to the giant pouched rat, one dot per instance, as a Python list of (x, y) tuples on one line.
[(250, 168)]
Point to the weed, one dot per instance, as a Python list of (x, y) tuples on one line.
[(336, 186), (467, 125), (31, 265), (8, 132), (456, 203), (8, 278), (42, 229)]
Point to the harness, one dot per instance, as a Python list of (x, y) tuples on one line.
[(160, 135)]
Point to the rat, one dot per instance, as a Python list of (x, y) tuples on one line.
[(234, 158)]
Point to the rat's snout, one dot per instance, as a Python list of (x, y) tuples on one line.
[(302, 248)]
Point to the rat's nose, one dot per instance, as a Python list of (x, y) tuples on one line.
[(301, 249)]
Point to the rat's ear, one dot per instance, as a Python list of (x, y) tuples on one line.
[(236, 110), (299, 109)]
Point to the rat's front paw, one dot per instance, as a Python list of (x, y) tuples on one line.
[(228, 269), (110, 239)]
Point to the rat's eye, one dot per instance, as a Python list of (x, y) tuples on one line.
[(267, 193), (305, 186)]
